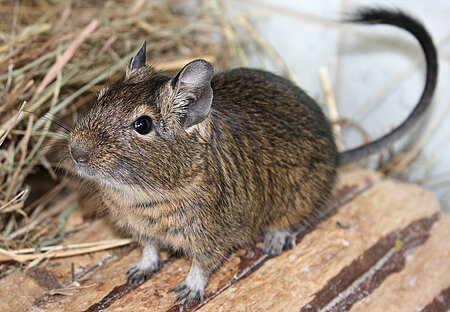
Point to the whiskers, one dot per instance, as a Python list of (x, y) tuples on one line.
[(59, 122), (49, 116)]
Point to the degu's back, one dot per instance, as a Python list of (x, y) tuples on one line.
[(280, 140)]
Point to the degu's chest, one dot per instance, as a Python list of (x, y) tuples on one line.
[(155, 219)]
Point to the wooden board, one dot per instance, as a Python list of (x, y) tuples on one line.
[(383, 247)]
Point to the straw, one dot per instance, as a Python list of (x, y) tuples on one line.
[(52, 61)]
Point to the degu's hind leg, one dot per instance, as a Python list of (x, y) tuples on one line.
[(275, 240)]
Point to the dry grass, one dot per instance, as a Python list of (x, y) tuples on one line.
[(54, 56)]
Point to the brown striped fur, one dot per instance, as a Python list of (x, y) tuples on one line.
[(263, 159)]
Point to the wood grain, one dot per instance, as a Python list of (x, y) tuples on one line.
[(426, 273), (289, 281), (250, 281)]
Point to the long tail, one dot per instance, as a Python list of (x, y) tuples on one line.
[(397, 18)]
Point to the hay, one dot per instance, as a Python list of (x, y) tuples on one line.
[(54, 56)]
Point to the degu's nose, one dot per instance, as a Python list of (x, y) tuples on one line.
[(79, 155)]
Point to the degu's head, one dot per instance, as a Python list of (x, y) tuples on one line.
[(144, 130)]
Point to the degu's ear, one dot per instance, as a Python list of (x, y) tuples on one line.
[(193, 92), (137, 61)]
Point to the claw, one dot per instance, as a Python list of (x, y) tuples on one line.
[(177, 288), (192, 296), (148, 265), (193, 287), (197, 298), (137, 275), (182, 295)]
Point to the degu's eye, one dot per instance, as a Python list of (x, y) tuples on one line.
[(143, 125)]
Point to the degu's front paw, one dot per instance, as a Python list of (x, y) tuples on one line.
[(191, 295), (136, 274), (193, 286), (149, 264)]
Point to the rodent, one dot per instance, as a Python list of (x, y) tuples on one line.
[(207, 163)]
